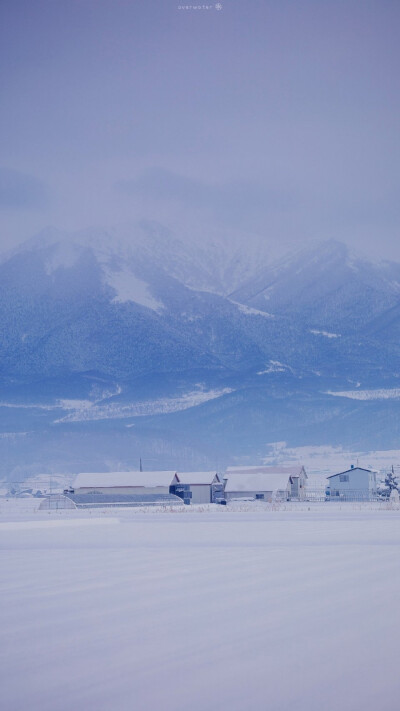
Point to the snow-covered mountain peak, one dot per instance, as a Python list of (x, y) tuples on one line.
[(134, 259)]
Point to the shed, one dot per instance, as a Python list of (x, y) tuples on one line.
[(204, 487), (276, 479), (354, 484)]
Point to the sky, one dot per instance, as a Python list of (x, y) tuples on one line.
[(273, 118)]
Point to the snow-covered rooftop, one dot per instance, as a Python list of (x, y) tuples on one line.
[(256, 481), (269, 470), (197, 477), (123, 479)]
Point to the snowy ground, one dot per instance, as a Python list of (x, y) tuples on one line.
[(279, 608)]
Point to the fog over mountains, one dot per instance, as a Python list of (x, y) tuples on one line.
[(130, 343)]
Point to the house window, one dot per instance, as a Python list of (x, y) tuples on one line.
[(344, 477), (259, 496)]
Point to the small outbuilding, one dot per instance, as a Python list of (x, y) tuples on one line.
[(354, 484), (198, 487)]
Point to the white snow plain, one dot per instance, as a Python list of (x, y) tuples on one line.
[(290, 608)]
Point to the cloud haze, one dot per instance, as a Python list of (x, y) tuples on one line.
[(21, 191), (280, 118)]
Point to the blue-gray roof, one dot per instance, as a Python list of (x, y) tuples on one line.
[(353, 469)]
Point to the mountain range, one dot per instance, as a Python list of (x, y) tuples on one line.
[(131, 343)]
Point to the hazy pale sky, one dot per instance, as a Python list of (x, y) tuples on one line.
[(275, 117)]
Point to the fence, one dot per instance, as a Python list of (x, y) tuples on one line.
[(341, 495)]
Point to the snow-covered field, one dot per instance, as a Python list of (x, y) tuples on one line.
[(213, 609)]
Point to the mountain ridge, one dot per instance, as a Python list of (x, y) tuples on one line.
[(148, 321)]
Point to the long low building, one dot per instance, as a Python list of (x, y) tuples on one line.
[(266, 483), (133, 482), (124, 483)]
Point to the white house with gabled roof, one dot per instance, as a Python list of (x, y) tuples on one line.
[(354, 484)]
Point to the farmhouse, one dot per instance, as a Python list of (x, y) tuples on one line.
[(198, 487), (354, 484), (266, 482)]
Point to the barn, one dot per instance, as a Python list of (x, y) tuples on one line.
[(123, 488), (272, 482), (133, 482), (199, 487), (354, 484), (255, 484)]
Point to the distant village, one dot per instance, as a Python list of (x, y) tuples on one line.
[(252, 483)]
